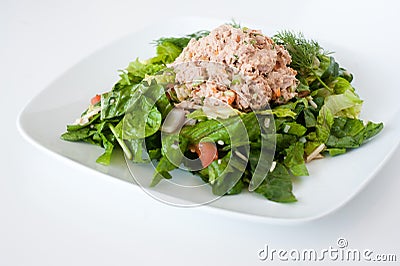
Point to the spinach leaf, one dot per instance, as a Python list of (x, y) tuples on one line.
[(231, 130), (143, 122), (76, 127), (163, 168), (108, 145), (225, 173), (351, 133), (309, 118), (332, 71), (116, 103), (294, 159), (294, 128), (136, 147), (237, 188), (172, 156), (372, 129), (173, 146), (283, 141), (79, 134), (346, 133), (278, 185)]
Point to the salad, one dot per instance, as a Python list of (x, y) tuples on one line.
[(237, 108)]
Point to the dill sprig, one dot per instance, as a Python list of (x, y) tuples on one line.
[(305, 53), (235, 24)]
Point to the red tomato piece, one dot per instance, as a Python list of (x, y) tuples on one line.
[(207, 152), (95, 99)]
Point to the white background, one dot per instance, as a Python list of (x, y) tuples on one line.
[(53, 214)]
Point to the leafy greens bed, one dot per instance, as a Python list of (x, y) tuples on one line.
[(321, 120)]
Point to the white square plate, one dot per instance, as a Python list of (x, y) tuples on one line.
[(332, 181)]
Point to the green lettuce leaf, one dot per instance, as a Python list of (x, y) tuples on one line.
[(336, 151), (284, 112), (342, 85), (347, 104), (351, 133), (294, 159), (108, 145), (143, 122), (167, 52), (278, 185), (294, 128), (163, 168), (372, 129), (136, 148), (135, 73), (172, 155), (324, 124), (309, 118), (225, 173), (77, 135)]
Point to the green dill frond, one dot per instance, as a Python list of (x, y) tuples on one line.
[(235, 24), (304, 52), (199, 34)]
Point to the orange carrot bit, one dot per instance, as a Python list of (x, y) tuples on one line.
[(278, 93), (230, 96), (231, 100)]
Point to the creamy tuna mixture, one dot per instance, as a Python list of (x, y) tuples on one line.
[(239, 67)]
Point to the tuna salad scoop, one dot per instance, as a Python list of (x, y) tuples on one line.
[(240, 67)]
